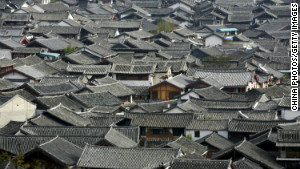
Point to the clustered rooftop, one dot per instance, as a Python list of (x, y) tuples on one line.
[(146, 84)]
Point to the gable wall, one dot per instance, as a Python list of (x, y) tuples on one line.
[(213, 41), (16, 109)]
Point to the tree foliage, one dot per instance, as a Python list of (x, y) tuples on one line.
[(165, 26), (4, 157), (218, 61), (152, 145), (189, 136), (69, 49), (20, 161), (196, 8)]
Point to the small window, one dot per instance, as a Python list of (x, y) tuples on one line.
[(143, 131), (159, 132), (197, 133), (178, 131), (154, 95)]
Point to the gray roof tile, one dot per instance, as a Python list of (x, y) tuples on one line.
[(200, 164), (160, 119), (89, 69), (62, 150), (135, 158)]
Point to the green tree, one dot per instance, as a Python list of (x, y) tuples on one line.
[(4, 157), (218, 61), (69, 49), (196, 8), (165, 26), (152, 145), (20, 161), (53, 1), (189, 136)]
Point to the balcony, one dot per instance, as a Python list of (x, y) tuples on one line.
[(289, 156)]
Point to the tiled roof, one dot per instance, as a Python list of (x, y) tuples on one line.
[(118, 24), (118, 139), (72, 131), (216, 141), (82, 59), (97, 99), (235, 114), (140, 90), (55, 88), (160, 119), (55, 7), (61, 30), (22, 17), (180, 81), (23, 144), (105, 80), (189, 106), (156, 107), (53, 44), (200, 164), (134, 158), (133, 69), (52, 101), (11, 43), (288, 138), (211, 125), (245, 163), (212, 93), (257, 155), (50, 16), (62, 150), (11, 128), (225, 79), (187, 146), (223, 104), (89, 69), (252, 126), (6, 85), (31, 71), (65, 114), (61, 78), (104, 120), (285, 101), (139, 34), (45, 120), (140, 44), (117, 89), (22, 92), (101, 50)]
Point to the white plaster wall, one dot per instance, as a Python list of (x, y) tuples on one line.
[(62, 23), (192, 133), (138, 110), (288, 114), (175, 110), (223, 133), (174, 6), (157, 78), (203, 133), (16, 109), (213, 41), (14, 75), (5, 53)]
